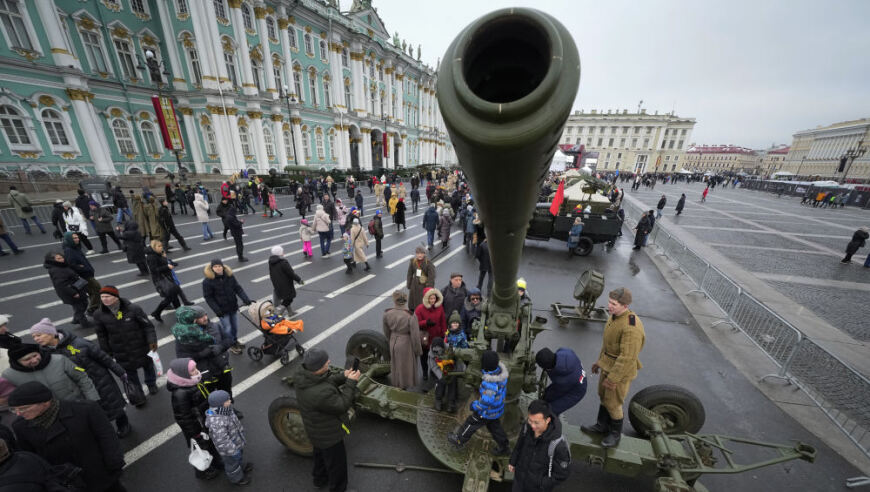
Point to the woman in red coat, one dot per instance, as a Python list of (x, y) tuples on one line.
[(433, 323)]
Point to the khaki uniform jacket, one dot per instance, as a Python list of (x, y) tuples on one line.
[(623, 340)]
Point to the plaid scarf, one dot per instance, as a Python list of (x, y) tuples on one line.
[(48, 417)]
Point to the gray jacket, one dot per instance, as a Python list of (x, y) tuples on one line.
[(19, 201), (225, 430), (66, 380)]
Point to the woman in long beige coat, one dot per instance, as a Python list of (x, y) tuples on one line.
[(360, 241), (403, 332)]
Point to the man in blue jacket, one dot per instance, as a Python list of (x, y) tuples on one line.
[(488, 409), (568, 379), (430, 223)]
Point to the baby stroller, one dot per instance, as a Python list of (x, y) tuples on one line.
[(278, 332)]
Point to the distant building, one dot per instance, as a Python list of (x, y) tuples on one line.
[(630, 142), (772, 160), (721, 158), (817, 152), (76, 79)]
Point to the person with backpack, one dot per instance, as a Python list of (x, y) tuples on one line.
[(24, 209), (376, 229), (541, 458)]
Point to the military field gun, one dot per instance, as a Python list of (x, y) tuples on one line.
[(505, 89)]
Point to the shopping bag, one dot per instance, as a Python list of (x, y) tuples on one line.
[(134, 393), (198, 457), (158, 366)]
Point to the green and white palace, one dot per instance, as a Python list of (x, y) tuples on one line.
[(256, 85)]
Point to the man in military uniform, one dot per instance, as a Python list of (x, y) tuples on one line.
[(618, 363)]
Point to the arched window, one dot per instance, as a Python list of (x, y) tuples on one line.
[(210, 140), (306, 144), (332, 144), (14, 24), (246, 17), (13, 126), (324, 54), (245, 139), (181, 7), (276, 72), (292, 34), (270, 28), (123, 137), (309, 46), (270, 142), (344, 58), (257, 70), (348, 95), (230, 62), (195, 66), (297, 81), (318, 142), (327, 96), (373, 94), (288, 144), (220, 9), (312, 87), (54, 128), (150, 138)]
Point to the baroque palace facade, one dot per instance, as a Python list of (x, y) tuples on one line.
[(256, 85)]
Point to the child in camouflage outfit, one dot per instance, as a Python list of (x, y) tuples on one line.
[(228, 436)]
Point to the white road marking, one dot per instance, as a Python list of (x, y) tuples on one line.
[(349, 286), (399, 261)]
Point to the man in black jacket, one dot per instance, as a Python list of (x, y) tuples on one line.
[(235, 226), (75, 432), (124, 332), (121, 205), (165, 218), (541, 458), (220, 290), (283, 277)]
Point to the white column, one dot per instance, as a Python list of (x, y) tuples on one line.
[(297, 134), (336, 77), (223, 136), (192, 145), (256, 129), (241, 37), (359, 98), (208, 45), (344, 141), (366, 150), (267, 54), (178, 80), (278, 135), (283, 26), (60, 52), (236, 146), (91, 129)]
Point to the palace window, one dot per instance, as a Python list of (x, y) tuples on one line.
[(195, 68), (210, 140), (327, 97), (125, 56), (257, 71), (230, 62), (348, 96), (13, 126), (344, 58), (680, 145), (332, 145), (291, 33), (55, 128), (138, 6), (297, 82), (309, 46), (318, 141), (123, 137), (220, 9), (276, 73), (312, 87), (181, 7), (324, 53), (269, 141), (14, 24), (149, 136), (94, 51), (306, 145), (245, 139), (288, 144), (247, 19), (270, 28)]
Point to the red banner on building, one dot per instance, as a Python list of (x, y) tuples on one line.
[(386, 145), (168, 123)]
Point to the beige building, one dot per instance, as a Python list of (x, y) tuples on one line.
[(773, 160), (721, 158), (632, 142), (817, 152)]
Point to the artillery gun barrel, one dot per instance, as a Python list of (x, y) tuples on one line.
[(505, 90)]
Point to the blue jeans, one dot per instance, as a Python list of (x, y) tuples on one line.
[(121, 213), (35, 221), (659, 213), (206, 231), (230, 325), (430, 235), (867, 261), (325, 242), (8, 240), (234, 467)]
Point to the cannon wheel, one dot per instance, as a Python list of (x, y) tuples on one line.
[(584, 246), (286, 423), (369, 346), (681, 409)]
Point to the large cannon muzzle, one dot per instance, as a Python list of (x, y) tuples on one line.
[(505, 89)]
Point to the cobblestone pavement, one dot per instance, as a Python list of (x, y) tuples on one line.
[(801, 246)]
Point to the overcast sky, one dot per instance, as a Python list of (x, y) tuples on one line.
[(750, 72)]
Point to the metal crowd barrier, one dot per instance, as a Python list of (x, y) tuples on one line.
[(11, 220), (841, 392)]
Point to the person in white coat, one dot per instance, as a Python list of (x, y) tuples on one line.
[(76, 222), (201, 208)]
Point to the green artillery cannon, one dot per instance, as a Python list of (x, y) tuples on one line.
[(505, 89)]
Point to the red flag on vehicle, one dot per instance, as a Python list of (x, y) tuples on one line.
[(560, 197)]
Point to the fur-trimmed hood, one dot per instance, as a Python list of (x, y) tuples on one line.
[(429, 291), (496, 376), (209, 273)]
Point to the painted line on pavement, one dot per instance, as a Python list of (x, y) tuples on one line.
[(349, 286), (399, 261)]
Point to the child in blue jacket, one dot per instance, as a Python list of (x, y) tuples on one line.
[(488, 409)]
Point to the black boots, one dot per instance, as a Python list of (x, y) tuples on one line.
[(601, 426), (614, 434)]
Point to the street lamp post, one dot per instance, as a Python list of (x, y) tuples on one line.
[(285, 94), (849, 157), (797, 175), (154, 67)]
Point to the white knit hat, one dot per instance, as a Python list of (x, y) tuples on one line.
[(4, 319), (277, 251)]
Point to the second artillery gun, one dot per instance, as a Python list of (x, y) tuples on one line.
[(505, 89)]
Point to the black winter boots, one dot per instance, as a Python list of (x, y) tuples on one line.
[(614, 435), (601, 426)]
